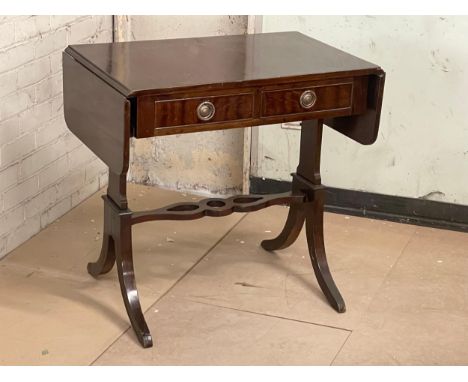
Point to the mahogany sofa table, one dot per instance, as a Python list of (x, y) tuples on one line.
[(141, 89)]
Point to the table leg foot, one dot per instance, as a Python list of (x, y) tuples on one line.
[(290, 232), (315, 241)]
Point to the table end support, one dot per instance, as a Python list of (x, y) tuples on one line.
[(117, 248), (307, 182)]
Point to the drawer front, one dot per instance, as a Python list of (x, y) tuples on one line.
[(307, 99), (203, 110), (185, 112)]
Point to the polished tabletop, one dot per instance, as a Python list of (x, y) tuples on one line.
[(139, 67)]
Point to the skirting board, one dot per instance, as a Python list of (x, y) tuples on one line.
[(399, 209)]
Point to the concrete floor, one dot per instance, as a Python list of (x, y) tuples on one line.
[(212, 296)]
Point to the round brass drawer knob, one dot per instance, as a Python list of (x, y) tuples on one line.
[(308, 99), (206, 111)]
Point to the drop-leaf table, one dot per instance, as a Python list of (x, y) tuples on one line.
[(140, 89)]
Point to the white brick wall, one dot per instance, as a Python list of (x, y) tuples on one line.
[(44, 169)]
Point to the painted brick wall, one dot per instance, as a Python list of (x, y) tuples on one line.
[(44, 170)]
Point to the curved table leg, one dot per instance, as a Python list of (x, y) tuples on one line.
[(314, 233), (124, 259), (291, 230), (106, 259)]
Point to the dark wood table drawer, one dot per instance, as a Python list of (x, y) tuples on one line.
[(165, 115), (305, 99)]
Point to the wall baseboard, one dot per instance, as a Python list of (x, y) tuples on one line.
[(428, 213)]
